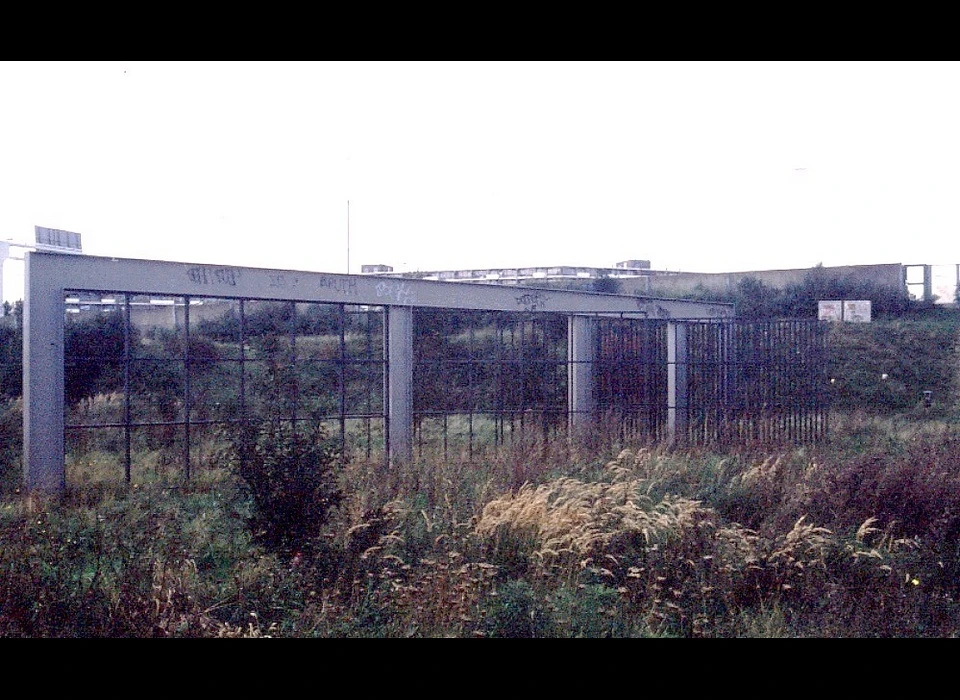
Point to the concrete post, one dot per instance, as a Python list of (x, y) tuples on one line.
[(581, 349), (399, 390), (43, 382)]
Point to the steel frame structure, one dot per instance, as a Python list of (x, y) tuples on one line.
[(51, 277)]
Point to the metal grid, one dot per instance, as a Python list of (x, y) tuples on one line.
[(631, 377), (739, 382), (486, 379), (153, 375), (757, 382), (159, 375)]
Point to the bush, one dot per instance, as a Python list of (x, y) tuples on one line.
[(754, 299), (11, 362), (93, 352), (517, 612), (288, 476)]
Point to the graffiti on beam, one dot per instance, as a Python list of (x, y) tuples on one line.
[(397, 292), (650, 310), (339, 285), (214, 275), (533, 301), (280, 280)]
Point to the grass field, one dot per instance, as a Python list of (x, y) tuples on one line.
[(854, 537)]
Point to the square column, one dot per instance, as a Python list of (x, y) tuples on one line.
[(399, 383), (581, 352), (677, 358), (43, 378)]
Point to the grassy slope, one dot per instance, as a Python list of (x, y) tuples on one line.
[(884, 367)]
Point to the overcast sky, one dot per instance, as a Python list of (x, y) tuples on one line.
[(699, 166)]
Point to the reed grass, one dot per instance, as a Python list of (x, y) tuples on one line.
[(643, 542)]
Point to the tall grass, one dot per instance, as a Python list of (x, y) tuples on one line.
[(601, 535), (647, 542)]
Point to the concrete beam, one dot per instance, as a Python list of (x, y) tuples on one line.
[(116, 275)]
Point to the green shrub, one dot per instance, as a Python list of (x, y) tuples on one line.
[(11, 445), (93, 350), (287, 472), (590, 611), (11, 361), (517, 612)]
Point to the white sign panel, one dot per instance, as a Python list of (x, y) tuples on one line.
[(857, 311), (831, 311)]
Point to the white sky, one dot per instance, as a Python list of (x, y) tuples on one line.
[(699, 166)]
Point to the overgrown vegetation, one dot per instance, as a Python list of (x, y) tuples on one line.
[(273, 535), (754, 299), (286, 476)]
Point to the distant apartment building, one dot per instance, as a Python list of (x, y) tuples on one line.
[(922, 282), (628, 269)]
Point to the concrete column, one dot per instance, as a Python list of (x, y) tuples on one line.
[(676, 380), (581, 349), (43, 382), (399, 390)]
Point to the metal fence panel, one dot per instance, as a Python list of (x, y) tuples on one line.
[(153, 375)]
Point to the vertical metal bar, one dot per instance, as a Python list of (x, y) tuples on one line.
[(471, 368), (341, 377), (387, 449), (499, 405), (243, 355), (367, 358), (186, 385), (523, 373), (126, 387), (244, 418), (294, 370)]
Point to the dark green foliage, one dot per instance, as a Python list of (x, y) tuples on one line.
[(157, 376), (128, 570), (289, 475), (802, 300), (279, 318), (517, 612), (11, 445), (606, 285), (754, 299), (11, 361), (589, 611), (469, 361), (93, 356)]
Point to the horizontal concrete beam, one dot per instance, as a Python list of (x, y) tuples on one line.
[(151, 277)]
